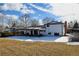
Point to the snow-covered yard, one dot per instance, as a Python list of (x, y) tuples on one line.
[(42, 38)]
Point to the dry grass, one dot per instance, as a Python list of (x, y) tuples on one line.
[(21, 48)]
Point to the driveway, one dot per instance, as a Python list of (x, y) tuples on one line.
[(41, 39)]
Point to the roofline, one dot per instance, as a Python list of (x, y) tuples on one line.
[(54, 23)]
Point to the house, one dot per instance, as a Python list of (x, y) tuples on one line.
[(51, 28), (56, 28)]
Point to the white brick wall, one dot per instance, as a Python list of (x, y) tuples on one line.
[(56, 28)]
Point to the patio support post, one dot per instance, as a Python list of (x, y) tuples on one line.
[(33, 32), (65, 26), (30, 32), (38, 32)]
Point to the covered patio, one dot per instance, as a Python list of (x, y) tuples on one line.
[(35, 31)]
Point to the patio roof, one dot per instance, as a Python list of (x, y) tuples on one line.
[(31, 28), (39, 28)]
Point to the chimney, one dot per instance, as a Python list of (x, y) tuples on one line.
[(65, 28)]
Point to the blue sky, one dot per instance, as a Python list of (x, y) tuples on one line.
[(58, 11), (39, 10)]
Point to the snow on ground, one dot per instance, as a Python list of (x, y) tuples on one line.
[(62, 39), (73, 43), (41, 39)]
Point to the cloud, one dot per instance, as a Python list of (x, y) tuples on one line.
[(40, 8), (26, 10), (6, 16), (17, 7), (68, 12), (12, 17), (1, 14), (63, 9), (40, 22), (12, 6)]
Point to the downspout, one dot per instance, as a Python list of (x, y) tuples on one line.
[(65, 28)]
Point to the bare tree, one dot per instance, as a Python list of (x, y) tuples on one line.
[(25, 20), (9, 22), (76, 25), (47, 20), (34, 22), (2, 17), (72, 24)]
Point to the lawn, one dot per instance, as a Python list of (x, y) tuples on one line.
[(21, 48)]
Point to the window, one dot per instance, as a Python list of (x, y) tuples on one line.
[(47, 25), (49, 33), (22, 32), (13, 29), (56, 34)]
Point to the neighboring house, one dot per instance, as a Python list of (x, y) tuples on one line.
[(2, 28), (52, 28)]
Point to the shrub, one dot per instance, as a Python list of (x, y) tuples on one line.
[(7, 33), (49, 33)]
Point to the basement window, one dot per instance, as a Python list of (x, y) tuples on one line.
[(56, 34), (49, 33)]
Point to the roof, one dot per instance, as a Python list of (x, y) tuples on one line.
[(54, 22), (31, 28), (39, 27)]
